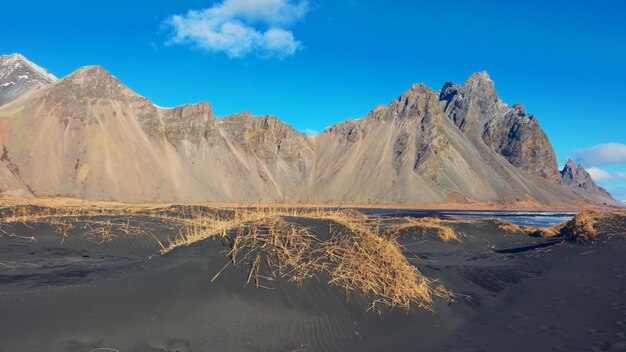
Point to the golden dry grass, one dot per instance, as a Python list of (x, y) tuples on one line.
[(356, 257), (582, 227), (371, 264), (428, 226), (587, 225), (506, 226), (96, 221), (545, 232)]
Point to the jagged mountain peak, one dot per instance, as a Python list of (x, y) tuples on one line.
[(472, 104), (93, 82), (571, 167), (16, 61), (91, 75), (477, 84), (19, 76), (479, 77), (579, 179), (417, 91), (480, 85), (417, 103), (89, 71), (419, 88), (477, 111)]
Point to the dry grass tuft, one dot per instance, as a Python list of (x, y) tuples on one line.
[(97, 221), (375, 265), (428, 226), (545, 232), (582, 228), (274, 249), (355, 258), (506, 226), (586, 226)]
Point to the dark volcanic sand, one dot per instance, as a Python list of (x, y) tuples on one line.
[(515, 293)]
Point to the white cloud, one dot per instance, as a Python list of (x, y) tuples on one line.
[(311, 132), (241, 27), (603, 154)]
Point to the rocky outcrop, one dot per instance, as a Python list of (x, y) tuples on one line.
[(476, 110), (471, 105), (518, 137), (578, 179), (18, 76), (193, 123), (89, 136)]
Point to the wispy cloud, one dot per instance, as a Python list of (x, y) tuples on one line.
[(311, 132), (603, 154), (240, 28), (601, 175)]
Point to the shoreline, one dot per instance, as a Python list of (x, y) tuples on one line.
[(522, 206)]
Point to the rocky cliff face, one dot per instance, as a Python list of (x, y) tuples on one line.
[(18, 76), (89, 136), (472, 104), (578, 179), (476, 110)]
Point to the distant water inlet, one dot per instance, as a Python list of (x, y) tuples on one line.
[(524, 218)]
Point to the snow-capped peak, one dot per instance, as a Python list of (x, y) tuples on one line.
[(19, 76), (16, 61)]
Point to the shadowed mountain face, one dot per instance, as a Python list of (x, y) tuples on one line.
[(19, 76), (89, 136)]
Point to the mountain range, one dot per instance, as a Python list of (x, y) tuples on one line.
[(89, 136)]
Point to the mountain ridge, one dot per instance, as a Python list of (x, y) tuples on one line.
[(89, 136)]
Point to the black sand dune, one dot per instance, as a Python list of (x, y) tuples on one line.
[(513, 293)]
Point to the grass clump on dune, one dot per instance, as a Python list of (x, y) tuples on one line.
[(582, 228), (507, 226), (273, 249), (428, 226), (545, 232), (355, 258), (375, 265), (588, 225)]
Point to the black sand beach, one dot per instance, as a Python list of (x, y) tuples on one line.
[(512, 292)]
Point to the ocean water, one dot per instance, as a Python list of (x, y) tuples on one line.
[(525, 218)]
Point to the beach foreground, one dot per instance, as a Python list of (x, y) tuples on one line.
[(188, 278)]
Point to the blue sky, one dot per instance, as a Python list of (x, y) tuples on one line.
[(317, 62)]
